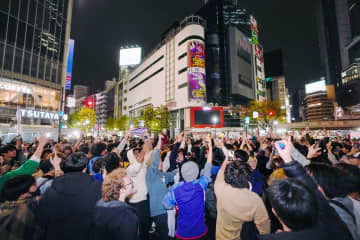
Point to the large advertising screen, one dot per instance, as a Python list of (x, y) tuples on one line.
[(240, 64), (203, 117), (130, 56), (319, 86), (69, 64), (196, 70)]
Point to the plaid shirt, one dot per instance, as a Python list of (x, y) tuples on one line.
[(17, 221)]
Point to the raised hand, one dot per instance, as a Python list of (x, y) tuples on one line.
[(314, 151), (285, 148)]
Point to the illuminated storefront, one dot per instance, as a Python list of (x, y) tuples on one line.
[(14, 94)]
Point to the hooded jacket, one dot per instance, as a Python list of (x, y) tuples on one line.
[(114, 220), (66, 208)]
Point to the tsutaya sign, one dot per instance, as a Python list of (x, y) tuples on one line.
[(26, 113)]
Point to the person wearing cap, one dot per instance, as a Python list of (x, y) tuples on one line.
[(188, 195), (66, 208)]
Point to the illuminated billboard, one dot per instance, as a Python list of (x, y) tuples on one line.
[(196, 70), (130, 56), (69, 64), (240, 64), (319, 86)]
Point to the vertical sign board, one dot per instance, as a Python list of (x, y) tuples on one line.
[(259, 70), (69, 64), (196, 71)]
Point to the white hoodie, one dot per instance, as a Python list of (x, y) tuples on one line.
[(137, 172)]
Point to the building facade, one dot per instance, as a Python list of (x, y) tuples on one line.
[(33, 45), (234, 57), (173, 75), (319, 101)]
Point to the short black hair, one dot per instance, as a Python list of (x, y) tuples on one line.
[(16, 186), (241, 155), (351, 181), (330, 179), (294, 203), (238, 174), (112, 162), (84, 147), (98, 165), (76, 162), (46, 151), (45, 166), (218, 157), (97, 148)]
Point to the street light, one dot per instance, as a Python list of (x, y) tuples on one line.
[(215, 120)]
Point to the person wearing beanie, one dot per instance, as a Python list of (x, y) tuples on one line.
[(189, 196)]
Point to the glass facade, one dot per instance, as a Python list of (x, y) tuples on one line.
[(32, 36), (220, 16)]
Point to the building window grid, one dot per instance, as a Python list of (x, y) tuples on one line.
[(53, 14)]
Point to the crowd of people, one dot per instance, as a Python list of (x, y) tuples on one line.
[(302, 185)]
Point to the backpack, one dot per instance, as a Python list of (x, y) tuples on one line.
[(210, 201)]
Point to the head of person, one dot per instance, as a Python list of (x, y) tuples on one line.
[(252, 163), (18, 188), (181, 155), (218, 157), (190, 171), (268, 151), (351, 181), (294, 204), (84, 147), (98, 149), (346, 148), (238, 174), (68, 150), (45, 154), (330, 180), (112, 162), (241, 156), (117, 185), (76, 162), (8, 151)]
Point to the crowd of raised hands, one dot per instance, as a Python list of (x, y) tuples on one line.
[(302, 184)]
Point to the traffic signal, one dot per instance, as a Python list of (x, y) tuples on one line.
[(89, 103), (271, 113)]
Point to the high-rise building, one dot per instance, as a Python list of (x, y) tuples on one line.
[(298, 105), (335, 34), (80, 91), (234, 74), (319, 105), (34, 37)]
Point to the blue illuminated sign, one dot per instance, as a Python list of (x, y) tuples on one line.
[(69, 64)]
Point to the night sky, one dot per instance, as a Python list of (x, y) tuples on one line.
[(99, 29)]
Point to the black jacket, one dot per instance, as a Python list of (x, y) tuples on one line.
[(114, 220), (329, 226), (66, 208)]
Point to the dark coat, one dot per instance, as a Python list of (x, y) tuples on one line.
[(329, 225), (66, 208), (114, 220)]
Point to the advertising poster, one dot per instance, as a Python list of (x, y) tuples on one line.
[(197, 85), (196, 70)]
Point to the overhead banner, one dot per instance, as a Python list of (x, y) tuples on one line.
[(196, 70), (69, 64)]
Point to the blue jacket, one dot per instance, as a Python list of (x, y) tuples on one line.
[(156, 187), (189, 197)]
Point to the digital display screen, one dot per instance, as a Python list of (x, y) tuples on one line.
[(130, 56), (315, 87), (202, 117)]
